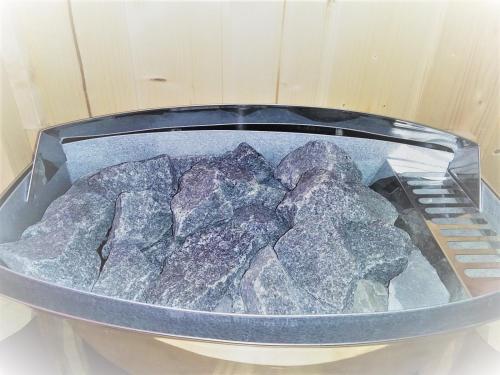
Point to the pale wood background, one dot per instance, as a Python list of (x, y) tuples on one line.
[(432, 62)]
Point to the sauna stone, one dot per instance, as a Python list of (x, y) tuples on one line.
[(417, 286), (266, 288), (213, 189), (62, 247), (137, 246), (222, 233), (321, 197), (319, 155), (200, 273), (74, 228), (369, 296)]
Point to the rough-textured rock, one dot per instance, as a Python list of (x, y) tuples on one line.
[(153, 174), (142, 221), (199, 274), (417, 286), (369, 296), (318, 260), (212, 189), (320, 155), (322, 198), (381, 250), (266, 288), (62, 247)]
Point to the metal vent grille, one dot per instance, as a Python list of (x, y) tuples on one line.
[(470, 244)]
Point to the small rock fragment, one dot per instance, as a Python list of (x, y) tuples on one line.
[(142, 221), (417, 286), (214, 188), (369, 296), (266, 288), (319, 155), (200, 273)]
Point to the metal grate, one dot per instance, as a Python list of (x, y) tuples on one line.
[(470, 244)]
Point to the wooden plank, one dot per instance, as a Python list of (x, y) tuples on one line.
[(43, 57), (251, 34), (102, 34), (462, 88), (15, 150), (301, 52), (376, 54), (180, 63)]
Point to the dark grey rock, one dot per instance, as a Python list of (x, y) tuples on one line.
[(214, 188), (316, 155), (417, 286), (156, 174), (318, 260), (62, 247), (369, 296), (137, 245), (322, 198), (381, 250), (266, 288), (200, 273)]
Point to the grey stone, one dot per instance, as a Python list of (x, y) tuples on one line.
[(369, 296), (142, 222), (319, 155), (266, 288), (417, 286), (381, 250), (318, 260), (322, 198), (214, 188), (62, 247), (200, 273), (156, 174)]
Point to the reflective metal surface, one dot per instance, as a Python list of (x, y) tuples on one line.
[(25, 202)]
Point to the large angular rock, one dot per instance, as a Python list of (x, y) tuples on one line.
[(318, 260), (319, 155), (214, 188), (156, 174), (369, 296), (381, 250), (322, 198), (142, 221), (266, 288), (200, 273), (63, 246), (417, 286)]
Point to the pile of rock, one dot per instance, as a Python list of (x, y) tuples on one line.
[(230, 233)]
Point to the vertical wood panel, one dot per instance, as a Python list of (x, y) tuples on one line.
[(431, 62), (379, 52), (15, 150), (301, 51), (47, 58), (251, 50), (102, 34)]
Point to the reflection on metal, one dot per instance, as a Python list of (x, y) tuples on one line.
[(464, 168), (470, 244), (50, 178)]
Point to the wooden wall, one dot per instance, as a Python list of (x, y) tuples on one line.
[(432, 62)]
